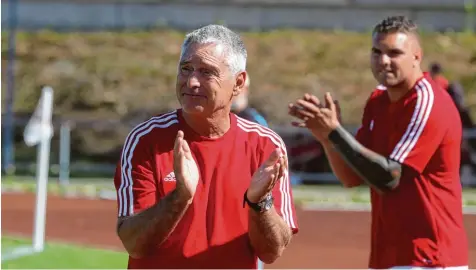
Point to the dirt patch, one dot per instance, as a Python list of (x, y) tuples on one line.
[(327, 239)]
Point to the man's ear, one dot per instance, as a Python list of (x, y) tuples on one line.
[(418, 56), (417, 51), (240, 80)]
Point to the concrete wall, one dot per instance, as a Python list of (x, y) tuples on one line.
[(359, 15)]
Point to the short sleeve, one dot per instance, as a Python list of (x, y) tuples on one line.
[(363, 134), (134, 177), (423, 134), (282, 192)]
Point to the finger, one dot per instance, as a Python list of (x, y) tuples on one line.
[(273, 173), (330, 102), (178, 152), (280, 171), (277, 175), (273, 157), (338, 110), (325, 112), (316, 101), (297, 107), (186, 149), (273, 176), (291, 110), (178, 142), (285, 162), (300, 113), (308, 106), (298, 124)]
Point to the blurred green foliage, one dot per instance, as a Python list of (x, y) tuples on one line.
[(113, 75)]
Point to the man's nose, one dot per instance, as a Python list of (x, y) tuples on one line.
[(192, 80), (384, 59)]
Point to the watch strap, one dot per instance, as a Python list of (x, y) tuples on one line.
[(260, 206)]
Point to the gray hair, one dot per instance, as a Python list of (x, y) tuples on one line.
[(233, 44)]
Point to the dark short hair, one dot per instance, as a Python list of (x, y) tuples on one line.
[(395, 24)]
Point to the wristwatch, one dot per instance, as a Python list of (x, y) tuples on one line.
[(261, 206)]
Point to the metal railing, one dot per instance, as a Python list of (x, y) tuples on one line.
[(324, 177)]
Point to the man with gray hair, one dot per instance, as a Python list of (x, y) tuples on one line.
[(200, 187)]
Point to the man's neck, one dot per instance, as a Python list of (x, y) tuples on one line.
[(213, 126), (397, 92)]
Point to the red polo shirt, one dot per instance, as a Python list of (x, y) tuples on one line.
[(421, 222), (213, 233)]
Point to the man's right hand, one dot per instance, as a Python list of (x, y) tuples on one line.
[(185, 169), (320, 119)]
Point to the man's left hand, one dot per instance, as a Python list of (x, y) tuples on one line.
[(266, 176)]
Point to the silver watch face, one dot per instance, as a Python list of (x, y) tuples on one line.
[(267, 203)]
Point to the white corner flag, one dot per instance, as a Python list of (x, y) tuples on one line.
[(38, 131), (40, 125)]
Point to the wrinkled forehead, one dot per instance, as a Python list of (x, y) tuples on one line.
[(197, 51), (396, 40)]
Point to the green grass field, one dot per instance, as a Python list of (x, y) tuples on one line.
[(63, 256), (60, 255)]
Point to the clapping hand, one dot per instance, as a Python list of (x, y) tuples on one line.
[(318, 118), (265, 178), (185, 168)]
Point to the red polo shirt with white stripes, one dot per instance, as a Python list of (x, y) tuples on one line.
[(421, 222), (213, 233)]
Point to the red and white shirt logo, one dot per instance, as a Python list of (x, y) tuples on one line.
[(170, 177)]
